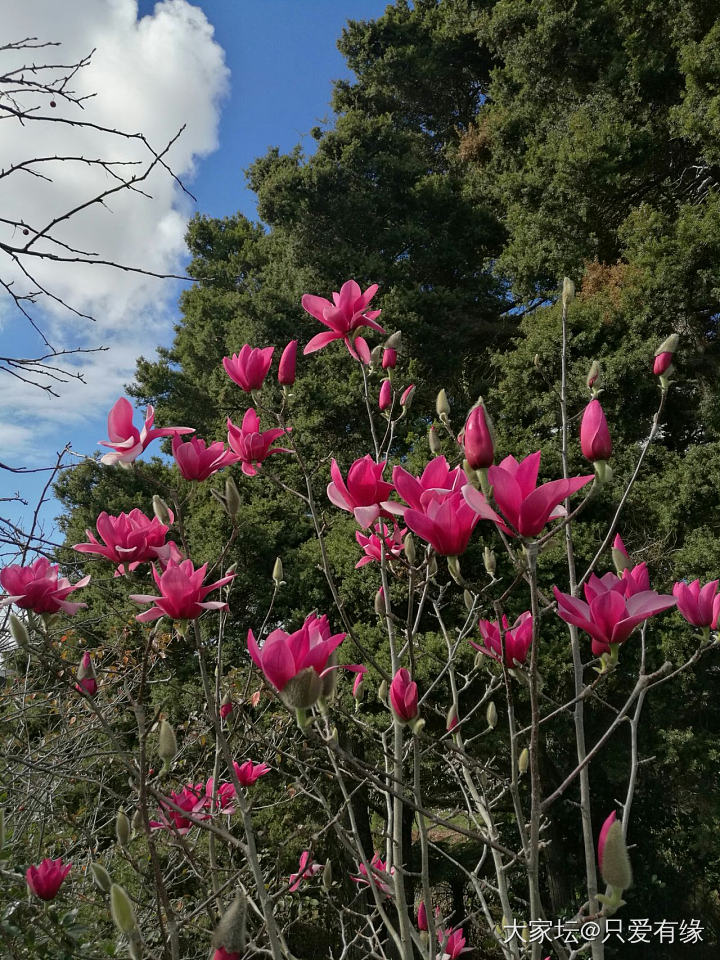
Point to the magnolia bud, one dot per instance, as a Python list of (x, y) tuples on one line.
[(669, 345), (379, 603), (121, 909), (383, 692), (407, 395), (593, 377), (19, 631), (434, 441), (451, 718), (232, 498), (409, 548), (453, 564), (277, 573), (135, 946), (615, 869), (231, 931), (491, 715), (327, 877), (568, 292), (167, 743), (137, 820), (376, 353), (432, 566), (123, 830), (162, 510), (394, 341), (489, 561), (523, 761), (101, 877), (479, 660), (442, 405), (469, 600)]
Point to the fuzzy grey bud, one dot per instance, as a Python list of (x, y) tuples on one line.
[(167, 742), (123, 830), (122, 910), (101, 877), (232, 498), (491, 715), (162, 510), (19, 631)]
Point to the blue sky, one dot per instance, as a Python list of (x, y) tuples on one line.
[(282, 57)]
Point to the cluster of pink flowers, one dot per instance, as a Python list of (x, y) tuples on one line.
[(382, 539), (509, 646)]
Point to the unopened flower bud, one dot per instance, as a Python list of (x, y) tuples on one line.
[(231, 931), (409, 548), (453, 564), (442, 405), (451, 718), (278, 574), (162, 511), (620, 555), (568, 292), (232, 498), (434, 441), (19, 631), (523, 761), (383, 692), (167, 742), (394, 341), (327, 877), (389, 358), (376, 353), (489, 561), (469, 600), (122, 910), (593, 377), (123, 830), (615, 866), (432, 567), (137, 821), (491, 715), (101, 877), (379, 603), (135, 946), (407, 395), (385, 398)]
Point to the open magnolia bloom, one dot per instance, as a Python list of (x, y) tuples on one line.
[(344, 316), (125, 440)]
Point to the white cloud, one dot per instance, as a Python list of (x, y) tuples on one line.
[(150, 75)]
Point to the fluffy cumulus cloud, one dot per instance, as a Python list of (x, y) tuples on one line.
[(150, 74)]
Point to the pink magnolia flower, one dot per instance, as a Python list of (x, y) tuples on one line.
[(619, 554), (422, 923), (385, 398), (360, 672), (226, 709), (407, 395), (610, 617), (446, 521), (372, 545), (248, 772), (700, 606), (307, 869), (250, 444), (198, 461), (452, 944), (437, 477), (294, 663), (249, 368), (192, 800), (389, 358), (477, 439), (603, 834), (39, 587), (125, 440), (128, 539), (86, 675), (664, 355), (364, 494), (633, 580), (379, 876), (517, 641), (404, 696), (182, 594), (224, 796), (45, 879), (346, 314), (523, 504), (222, 954), (595, 439), (286, 368)]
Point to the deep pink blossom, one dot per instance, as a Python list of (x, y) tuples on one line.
[(307, 869), (446, 521), (517, 639), (39, 587), (224, 796), (86, 677), (125, 440), (222, 954), (389, 358), (610, 617), (252, 445), (603, 835), (385, 398), (477, 439), (662, 362), (45, 879), (373, 545), (192, 800), (346, 314), (437, 477), (294, 663), (249, 368), (422, 923), (225, 710), (364, 494), (452, 944), (404, 696), (633, 580), (407, 395), (286, 367), (127, 540), (197, 460), (523, 504), (700, 606), (248, 772), (377, 877), (182, 594), (595, 439)]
